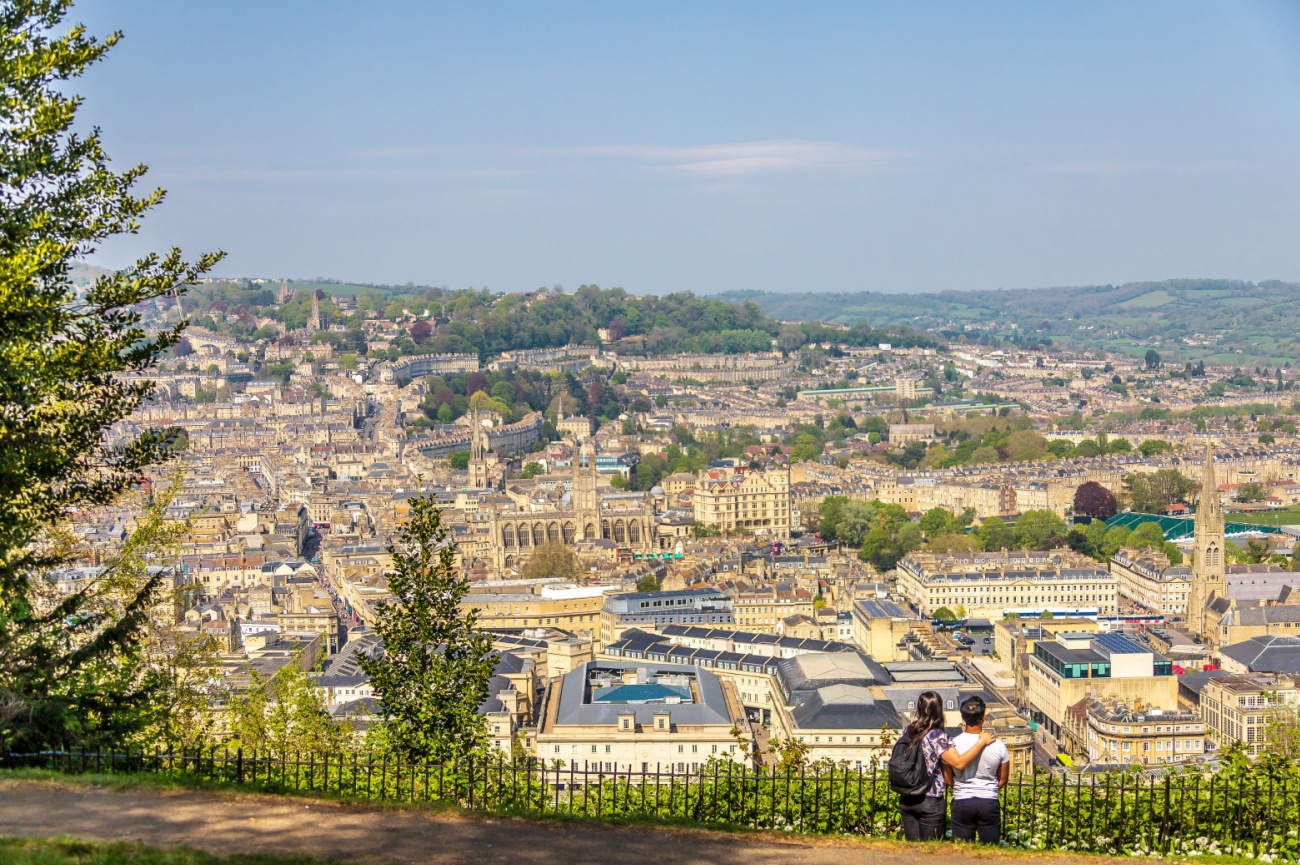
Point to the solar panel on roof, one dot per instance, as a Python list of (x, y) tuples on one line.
[(1118, 644)]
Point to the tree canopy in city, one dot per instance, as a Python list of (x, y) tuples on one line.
[(1094, 500), (433, 673)]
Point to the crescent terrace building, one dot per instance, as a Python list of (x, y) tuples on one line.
[(995, 584)]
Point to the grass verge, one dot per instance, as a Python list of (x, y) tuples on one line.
[(65, 851)]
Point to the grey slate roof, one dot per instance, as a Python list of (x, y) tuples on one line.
[(810, 672), (844, 707), (576, 709), (1272, 653)]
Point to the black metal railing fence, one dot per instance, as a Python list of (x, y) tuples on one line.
[(1172, 813)]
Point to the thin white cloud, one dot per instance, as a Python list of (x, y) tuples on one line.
[(439, 163), (750, 157)]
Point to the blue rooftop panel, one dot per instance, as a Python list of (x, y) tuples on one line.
[(647, 693)]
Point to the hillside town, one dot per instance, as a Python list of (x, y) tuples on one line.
[(752, 548)]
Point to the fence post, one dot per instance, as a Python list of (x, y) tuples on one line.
[(239, 766)]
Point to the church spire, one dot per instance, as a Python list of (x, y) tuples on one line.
[(1210, 511), (1209, 574), (478, 447)]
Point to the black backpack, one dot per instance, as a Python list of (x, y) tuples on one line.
[(907, 773)]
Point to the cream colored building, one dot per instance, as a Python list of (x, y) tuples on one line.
[(881, 629), (1239, 708), (573, 609), (1014, 641), (612, 716), (906, 433), (995, 584), (1118, 733), (1148, 579), (1074, 666), (745, 502), (762, 610)]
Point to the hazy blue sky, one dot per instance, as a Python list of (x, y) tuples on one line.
[(710, 146)]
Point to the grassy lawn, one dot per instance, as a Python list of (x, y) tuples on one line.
[(1288, 517), (26, 851)]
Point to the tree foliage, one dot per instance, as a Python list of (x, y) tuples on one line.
[(63, 381), (552, 560), (285, 715), (1039, 530), (1151, 492), (433, 673), (1094, 500)]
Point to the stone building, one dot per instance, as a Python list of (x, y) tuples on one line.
[(1118, 733), (748, 502), (995, 584), (585, 515)]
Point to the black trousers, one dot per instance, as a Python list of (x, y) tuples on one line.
[(972, 818), (923, 817)]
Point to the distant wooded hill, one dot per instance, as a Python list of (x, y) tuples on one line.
[(1215, 320)]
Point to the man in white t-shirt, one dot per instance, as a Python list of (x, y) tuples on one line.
[(975, 811)]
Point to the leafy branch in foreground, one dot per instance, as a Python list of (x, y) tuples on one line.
[(69, 366)]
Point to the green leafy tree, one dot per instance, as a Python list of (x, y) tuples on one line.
[(67, 375), (1116, 537), (1251, 492), (647, 584), (285, 715), (1147, 536), (995, 534), (829, 512), (938, 521), (1151, 492), (533, 469), (1151, 447), (459, 460), (433, 673), (943, 614), (1026, 445), (1256, 551), (855, 522), (1039, 530)]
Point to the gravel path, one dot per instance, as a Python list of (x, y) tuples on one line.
[(252, 823)]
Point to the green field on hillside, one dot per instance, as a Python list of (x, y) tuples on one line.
[(1259, 319)]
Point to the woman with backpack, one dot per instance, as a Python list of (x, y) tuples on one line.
[(915, 771)]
